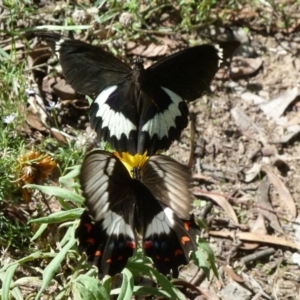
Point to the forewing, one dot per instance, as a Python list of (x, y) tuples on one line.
[(169, 182), (188, 73), (88, 69), (106, 231)]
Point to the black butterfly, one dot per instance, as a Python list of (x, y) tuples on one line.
[(138, 110), (155, 202)]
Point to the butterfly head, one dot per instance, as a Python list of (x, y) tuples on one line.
[(133, 163), (138, 63)]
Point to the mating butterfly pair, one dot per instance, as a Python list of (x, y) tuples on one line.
[(137, 111)]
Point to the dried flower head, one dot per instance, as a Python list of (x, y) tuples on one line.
[(33, 167)]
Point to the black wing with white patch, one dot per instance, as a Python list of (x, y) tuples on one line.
[(137, 110), (168, 240), (106, 231), (169, 181), (117, 206), (137, 121)]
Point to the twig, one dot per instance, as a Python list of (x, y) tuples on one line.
[(254, 256)]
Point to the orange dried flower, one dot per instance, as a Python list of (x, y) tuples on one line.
[(33, 167)]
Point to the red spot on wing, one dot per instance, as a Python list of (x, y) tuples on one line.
[(108, 261), (178, 252), (185, 239), (91, 241), (98, 253), (120, 257), (88, 226), (131, 244), (148, 244), (187, 226)]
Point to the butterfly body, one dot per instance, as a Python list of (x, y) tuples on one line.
[(119, 204), (138, 110)]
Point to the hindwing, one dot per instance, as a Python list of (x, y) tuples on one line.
[(106, 231), (169, 181)]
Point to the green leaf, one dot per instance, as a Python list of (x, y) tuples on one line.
[(147, 290), (210, 254), (58, 192), (60, 216), (200, 257), (39, 232), (7, 281), (88, 288), (65, 180), (171, 291), (106, 282), (31, 257), (4, 53), (55, 264), (126, 289)]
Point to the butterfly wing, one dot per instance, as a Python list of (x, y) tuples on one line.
[(167, 239), (113, 115), (188, 73), (88, 69), (169, 181), (164, 115), (136, 122), (106, 231)]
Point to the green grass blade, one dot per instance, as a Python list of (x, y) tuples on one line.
[(55, 264), (7, 281)]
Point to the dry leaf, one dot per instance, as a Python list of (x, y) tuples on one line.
[(61, 137), (34, 121), (247, 127), (262, 200), (244, 66), (252, 98), (282, 190), (207, 294), (295, 120), (254, 285), (154, 50), (255, 237), (258, 227), (221, 201), (251, 174), (63, 90), (277, 106), (36, 107), (138, 50), (233, 275), (293, 130)]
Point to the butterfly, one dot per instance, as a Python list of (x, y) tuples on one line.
[(135, 109), (126, 195)]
